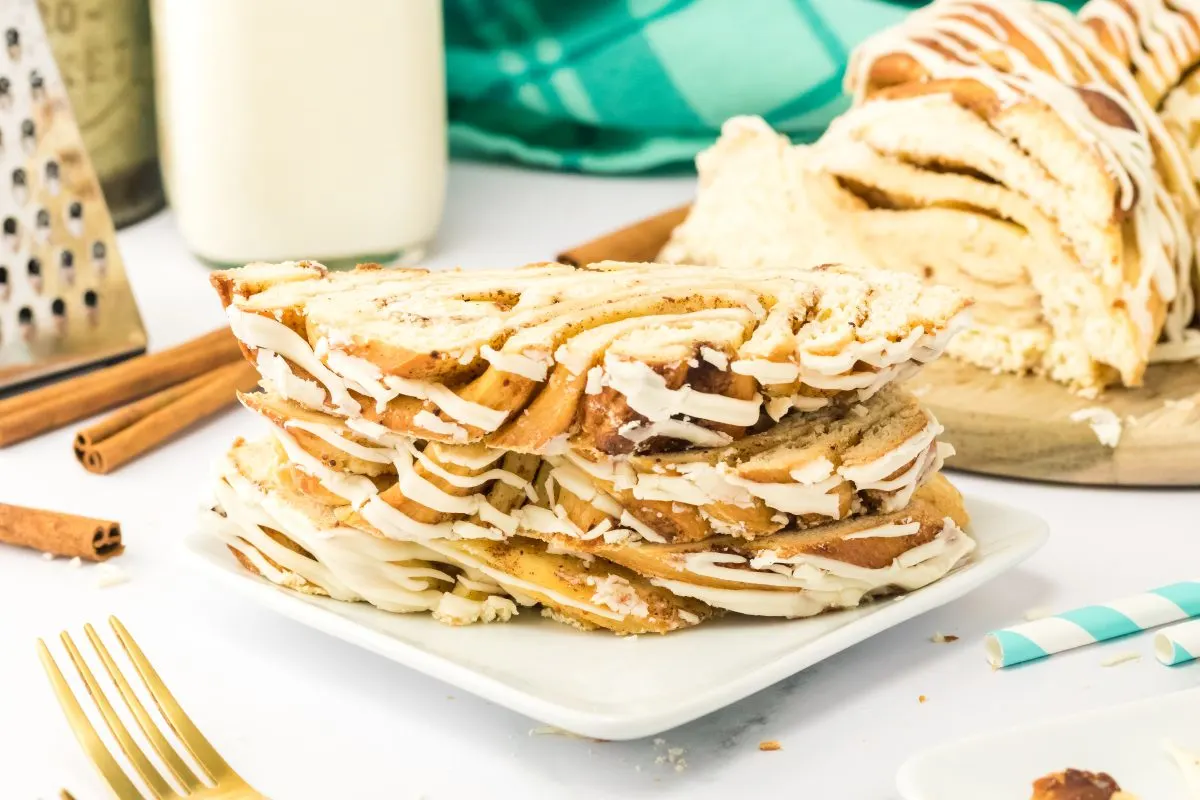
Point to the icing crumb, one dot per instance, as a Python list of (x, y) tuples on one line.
[(944, 638), (688, 617), (75, 562), (920, 391), (1040, 612), (769, 746), (47, 556), (1120, 658), (1180, 405), (859, 410), (659, 742), (1105, 424), (618, 594), (109, 575), (921, 698)]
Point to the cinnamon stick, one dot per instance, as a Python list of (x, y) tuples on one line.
[(61, 534), (32, 413), (640, 241), (141, 426)]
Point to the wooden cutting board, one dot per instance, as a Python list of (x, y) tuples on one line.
[(1012, 425)]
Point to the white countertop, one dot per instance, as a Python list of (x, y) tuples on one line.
[(301, 715)]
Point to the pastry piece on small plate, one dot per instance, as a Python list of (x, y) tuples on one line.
[(1078, 784)]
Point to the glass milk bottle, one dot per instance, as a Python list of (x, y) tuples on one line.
[(293, 129)]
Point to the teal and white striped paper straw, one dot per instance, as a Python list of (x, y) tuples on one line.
[(1043, 637), (1178, 643)]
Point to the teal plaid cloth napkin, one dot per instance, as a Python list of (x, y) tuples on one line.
[(634, 85)]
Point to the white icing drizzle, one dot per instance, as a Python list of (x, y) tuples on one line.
[(355, 488), (370, 380), (811, 584), (714, 357), (638, 431), (435, 424), (259, 332), (766, 372), (811, 490), (347, 564), (647, 393), (535, 368), (330, 435), (516, 585), (894, 529), (278, 377)]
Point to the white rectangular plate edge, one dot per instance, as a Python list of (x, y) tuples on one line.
[(576, 687)]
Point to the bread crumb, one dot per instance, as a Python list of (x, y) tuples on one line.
[(47, 556), (1040, 612), (769, 746), (921, 698), (920, 391), (108, 575), (944, 638), (1120, 658), (659, 742), (75, 562), (1105, 424)]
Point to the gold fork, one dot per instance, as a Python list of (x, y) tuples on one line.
[(224, 783)]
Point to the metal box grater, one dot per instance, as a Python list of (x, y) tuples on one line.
[(64, 298)]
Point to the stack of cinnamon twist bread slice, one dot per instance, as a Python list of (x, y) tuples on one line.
[(1010, 149), (628, 446)]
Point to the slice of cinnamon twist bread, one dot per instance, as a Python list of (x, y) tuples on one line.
[(617, 358)]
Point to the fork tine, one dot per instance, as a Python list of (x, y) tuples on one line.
[(166, 752), (158, 787), (81, 726), (200, 748)]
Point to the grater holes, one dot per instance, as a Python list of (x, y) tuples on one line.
[(75, 217), (5, 93), (33, 268), (4, 283), (25, 322), (20, 185), (28, 135), (41, 225), (37, 84), (100, 256), (52, 176), (66, 267), (58, 312), (90, 301), (10, 231)]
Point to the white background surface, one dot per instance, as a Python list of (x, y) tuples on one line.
[(301, 715)]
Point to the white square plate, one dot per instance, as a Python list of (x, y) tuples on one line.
[(607, 687), (1126, 741)]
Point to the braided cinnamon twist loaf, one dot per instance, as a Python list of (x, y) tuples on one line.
[(1002, 146)]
